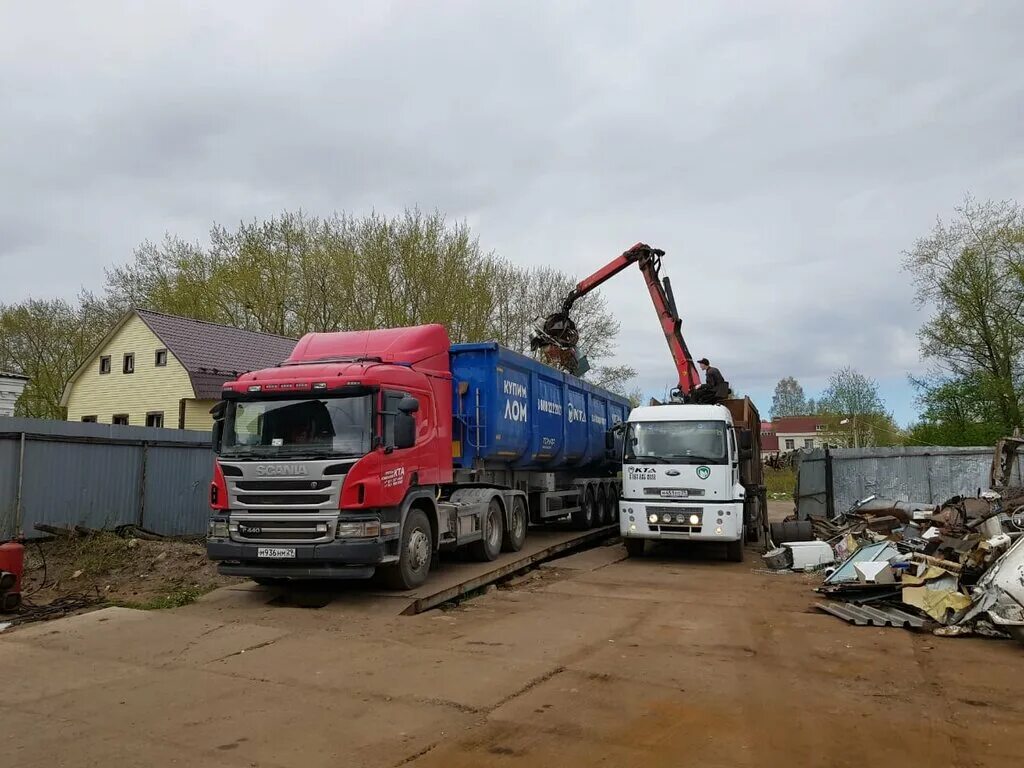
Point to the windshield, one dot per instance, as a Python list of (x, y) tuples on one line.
[(676, 442), (328, 426)]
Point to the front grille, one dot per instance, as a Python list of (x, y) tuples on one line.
[(266, 499), (679, 493), (282, 485), (282, 530)]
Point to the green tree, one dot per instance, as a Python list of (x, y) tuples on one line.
[(970, 273), (47, 340), (854, 412), (788, 399)]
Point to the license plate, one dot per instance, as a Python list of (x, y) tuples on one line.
[(276, 553), (674, 493)]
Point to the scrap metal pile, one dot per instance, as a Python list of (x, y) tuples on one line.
[(957, 569)]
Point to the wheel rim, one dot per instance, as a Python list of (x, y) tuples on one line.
[(518, 521), (418, 549), (588, 506), (493, 527)]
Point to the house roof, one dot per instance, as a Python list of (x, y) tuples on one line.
[(213, 353), (789, 425)]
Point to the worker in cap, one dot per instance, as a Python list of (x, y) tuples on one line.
[(715, 388)]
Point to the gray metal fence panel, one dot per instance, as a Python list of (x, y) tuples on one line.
[(812, 488), (922, 474), (92, 484), (177, 489), (101, 476), (9, 451)]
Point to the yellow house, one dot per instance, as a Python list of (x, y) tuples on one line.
[(156, 370)]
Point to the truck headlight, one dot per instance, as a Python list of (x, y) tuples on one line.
[(218, 529), (694, 520), (364, 529), (652, 518)]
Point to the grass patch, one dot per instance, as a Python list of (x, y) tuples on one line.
[(780, 482), (176, 599)]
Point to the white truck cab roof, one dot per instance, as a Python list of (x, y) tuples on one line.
[(680, 412)]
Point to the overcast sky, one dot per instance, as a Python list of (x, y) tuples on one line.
[(783, 154)]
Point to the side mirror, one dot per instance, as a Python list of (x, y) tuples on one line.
[(405, 429), (408, 404), (746, 440), (746, 454), (218, 425)]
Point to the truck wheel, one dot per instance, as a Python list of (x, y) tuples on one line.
[(635, 547), (583, 518), (611, 515), (415, 554), (602, 515), (489, 547), (516, 533), (734, 550)]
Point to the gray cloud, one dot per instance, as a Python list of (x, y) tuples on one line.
[(783, 155)]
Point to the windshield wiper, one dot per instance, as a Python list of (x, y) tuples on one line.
[(689, 459), (647, 460)]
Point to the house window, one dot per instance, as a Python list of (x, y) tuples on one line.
[(90, 419), (161, 358), (129, 363), (790, 443), (820, 427), (155, 419), (105, 364), (808, 442), (120, 418)]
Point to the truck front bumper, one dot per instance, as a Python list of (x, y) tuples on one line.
[(715, 522), (331, 560)]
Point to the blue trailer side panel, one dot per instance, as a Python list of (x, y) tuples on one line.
[(513, 410)]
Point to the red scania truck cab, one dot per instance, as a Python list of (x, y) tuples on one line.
[(377, 449)]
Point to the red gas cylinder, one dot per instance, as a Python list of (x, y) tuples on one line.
[(12, 567)]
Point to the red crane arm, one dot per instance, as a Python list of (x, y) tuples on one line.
[(649, 261)]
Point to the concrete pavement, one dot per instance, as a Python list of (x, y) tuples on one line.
[(675, 659)]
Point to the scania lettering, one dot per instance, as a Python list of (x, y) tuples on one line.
[(376, 450)]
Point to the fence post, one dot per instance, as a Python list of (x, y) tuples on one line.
[(16, 530), (830, 501), (142, 485)]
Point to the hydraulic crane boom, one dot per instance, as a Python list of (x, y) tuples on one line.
[(561, 332)]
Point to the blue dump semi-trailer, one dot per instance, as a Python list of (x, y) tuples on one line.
[(373, 450)]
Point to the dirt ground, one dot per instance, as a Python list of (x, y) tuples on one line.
[(679, 658), (67, 575)]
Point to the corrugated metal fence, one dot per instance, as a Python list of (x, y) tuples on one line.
[(101, 476), (832, 480)]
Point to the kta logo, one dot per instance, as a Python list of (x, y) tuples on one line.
[(703, 472)]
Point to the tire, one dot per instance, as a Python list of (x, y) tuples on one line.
[(415, 554), (489, 547), (635, 547), (613, 504), (734, 550), (515, 533), (602, 515), (583, 518)]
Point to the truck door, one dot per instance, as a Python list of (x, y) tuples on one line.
[(399, 466)]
